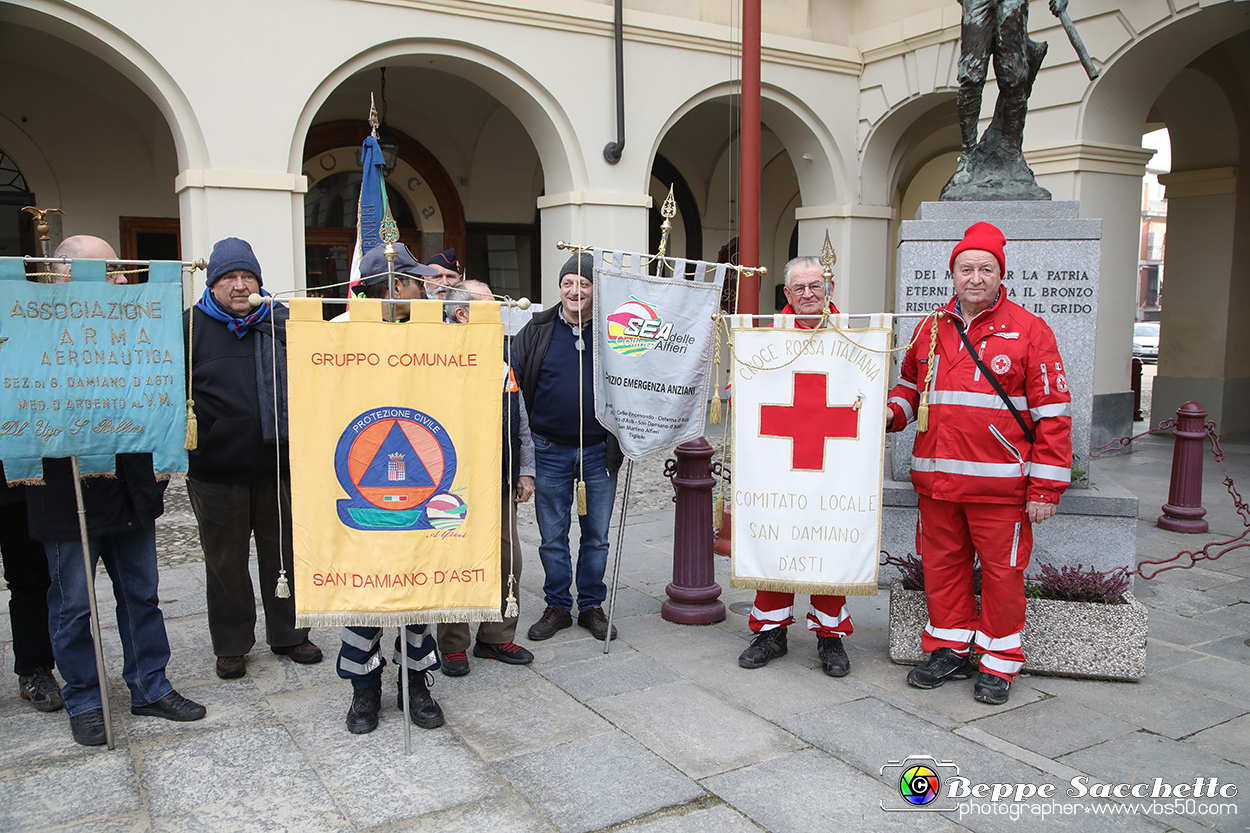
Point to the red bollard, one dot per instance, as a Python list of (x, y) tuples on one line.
[(1135, 379), (1183, 512), (693, 594)]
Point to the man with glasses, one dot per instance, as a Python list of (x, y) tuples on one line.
[(773, 612), (239, 477)]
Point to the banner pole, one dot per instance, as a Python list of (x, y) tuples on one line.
[(620, 539), (403, 683), (91, 603)]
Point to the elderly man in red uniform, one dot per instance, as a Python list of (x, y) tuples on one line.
[(993, 453), (773, 612)]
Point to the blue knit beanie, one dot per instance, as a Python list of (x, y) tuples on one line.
[(229, 255)]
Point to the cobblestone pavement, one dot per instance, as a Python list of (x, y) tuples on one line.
[(665, 733)]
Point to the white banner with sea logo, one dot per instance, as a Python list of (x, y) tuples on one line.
[(808, 439), (653, 344)]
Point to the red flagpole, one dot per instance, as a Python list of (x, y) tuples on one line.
[(749, 195)]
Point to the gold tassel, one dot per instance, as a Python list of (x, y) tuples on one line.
[(193, 428), (511, 610), (718, 511), (283, 590), (716, 408), (581, 497), (922, 413)]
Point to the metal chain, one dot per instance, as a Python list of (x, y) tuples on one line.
[(1204, 554)]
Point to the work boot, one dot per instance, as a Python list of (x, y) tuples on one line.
[(422, 709), (41, 689), (991, 688), (944, 664), (833, 658), (362, 717), (766, 645)]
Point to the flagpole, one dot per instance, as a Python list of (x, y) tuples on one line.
[(41, 227), (620, 541)]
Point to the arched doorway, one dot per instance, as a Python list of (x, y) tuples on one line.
[(422, 199), (16, 237)]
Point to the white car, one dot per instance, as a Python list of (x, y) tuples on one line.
[(1146, 341)]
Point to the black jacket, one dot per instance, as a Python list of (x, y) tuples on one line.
[(529, 348), (231, 447), (133, 499)]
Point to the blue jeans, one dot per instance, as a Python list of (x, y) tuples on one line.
[(130, 559), (556, 474)]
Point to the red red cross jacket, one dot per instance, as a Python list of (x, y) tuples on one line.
[(974, 448)]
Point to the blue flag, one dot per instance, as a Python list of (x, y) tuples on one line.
[(372, 195)]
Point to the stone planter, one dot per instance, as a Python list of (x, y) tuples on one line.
[(1063, 639)]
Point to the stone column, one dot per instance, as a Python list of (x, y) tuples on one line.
[(861, 237), (265, 208), (586, 218), (1203, 353)]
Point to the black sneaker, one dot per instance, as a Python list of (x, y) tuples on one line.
[(833, 658), (41, 689), (455, 664), (508, 652), (422, 709), (944, 664), (88, 728), (173, 706), (362, 717), (766, 645), (991, 688)]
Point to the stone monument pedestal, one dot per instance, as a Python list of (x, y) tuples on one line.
[(1053, 259)]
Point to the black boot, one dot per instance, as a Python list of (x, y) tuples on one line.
[(422, 709), (766, 645), (943, 665), (362, 717), (833, 658)]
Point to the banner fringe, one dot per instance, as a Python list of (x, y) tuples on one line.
[(398, 619), (26, 481), (809, 587)]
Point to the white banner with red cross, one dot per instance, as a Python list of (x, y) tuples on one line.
[(808, 424)]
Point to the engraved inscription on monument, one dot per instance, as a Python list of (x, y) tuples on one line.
[(1052, 271)]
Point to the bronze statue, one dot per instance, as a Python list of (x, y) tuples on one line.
[(994, 168)]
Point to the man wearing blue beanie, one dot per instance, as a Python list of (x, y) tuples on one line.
[(239, 476)]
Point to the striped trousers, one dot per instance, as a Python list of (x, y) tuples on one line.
[(1000, 535), (828, 615), (361, 661)]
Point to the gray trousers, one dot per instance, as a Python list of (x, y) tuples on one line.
[(454, 636), (228, 515)]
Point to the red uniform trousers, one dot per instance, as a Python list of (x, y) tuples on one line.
[(828, 616), (947, 535)]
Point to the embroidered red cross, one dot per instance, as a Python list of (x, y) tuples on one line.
[(809, 421)]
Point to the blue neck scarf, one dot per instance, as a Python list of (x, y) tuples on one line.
[(238, 326)]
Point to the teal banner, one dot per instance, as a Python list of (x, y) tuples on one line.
[(91, 369)]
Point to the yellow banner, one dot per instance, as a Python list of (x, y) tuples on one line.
[(396, 444)]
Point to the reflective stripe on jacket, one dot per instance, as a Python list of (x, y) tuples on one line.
[(974, 448)]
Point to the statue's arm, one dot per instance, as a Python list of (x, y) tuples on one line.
[(1057, 7)]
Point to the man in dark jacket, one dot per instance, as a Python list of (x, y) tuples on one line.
[(570, 446), (239, 475), (495, 639), (121, 513)]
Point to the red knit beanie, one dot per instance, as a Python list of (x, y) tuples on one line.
[(986, 238)]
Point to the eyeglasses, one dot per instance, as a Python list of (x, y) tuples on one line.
[(808, 288)]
